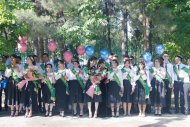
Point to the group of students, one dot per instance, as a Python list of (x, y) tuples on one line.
[(102, 83)]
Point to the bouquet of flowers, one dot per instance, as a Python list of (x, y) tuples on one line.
[(32, 74)]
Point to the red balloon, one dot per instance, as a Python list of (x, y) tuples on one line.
[(52, 46), (67, 56), (81, 50), (22, 47)]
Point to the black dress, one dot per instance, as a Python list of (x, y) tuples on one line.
[(97, 97), (114, 90), (31, 95), (46, 94), (75, 92), (60, 95), (158, 92), (127, 97), (13, 92), (140, 94)]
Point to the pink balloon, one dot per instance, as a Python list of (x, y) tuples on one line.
[(67, 56), (52, 46), (22, 39), (81, 50), (22, 47)]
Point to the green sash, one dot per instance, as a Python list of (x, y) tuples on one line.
[(128, 76), (15, 77), (145, 85), (97, 90), (78, 79), (42, 66), (157, 76), (177, 72), (187, 70), (52, 89), (169, 77), (116, 78), (65, 83)]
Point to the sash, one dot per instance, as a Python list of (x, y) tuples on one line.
[(65, 83), (52, 89), (15, 77), (177, 72), (128, 76), (97, 90), (116, 78), (187, 70), (169, 77), (145, 85), (42, 66), (157, 76), (78, 79)]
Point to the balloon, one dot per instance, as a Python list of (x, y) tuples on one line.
[(22, 47), (81, 50), (52, 46), (147, 56), (67, 56), (22, 39), (89, 50), (159, 49), (104, 54), (3, 84)]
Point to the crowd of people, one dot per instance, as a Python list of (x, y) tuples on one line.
[(102, 88)]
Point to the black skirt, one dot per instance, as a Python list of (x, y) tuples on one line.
[(140, 94), (60, 95), (13, 93), (31, 96), (87, 98), (158, 93), (127, 96), (46, 94), (75, 92), (114, 90)]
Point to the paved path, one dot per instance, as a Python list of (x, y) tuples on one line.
[(133, 121)]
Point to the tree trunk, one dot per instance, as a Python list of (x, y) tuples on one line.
[(108, 26), (125, 33)]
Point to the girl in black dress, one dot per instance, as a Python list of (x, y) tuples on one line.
[(143, 88), (93, 81), (115, 89), (128, 84), (48, 90), (158, 89), (14, 75), (31, 87), (76, 87), (61, 88)]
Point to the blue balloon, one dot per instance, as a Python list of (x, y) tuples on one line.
[(147, 56), (104, 54), (159, 49), (3, 84), (89, 50)]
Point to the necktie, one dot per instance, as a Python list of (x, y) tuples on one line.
[(166, 67), (178, 74)]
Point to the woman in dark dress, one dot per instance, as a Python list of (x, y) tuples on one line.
[(93, 81), (128, 84), (31, 87), (48, 90), (158, 89), (61, 88), (14, 75), (76, 87), (115, 89), (143, 89)]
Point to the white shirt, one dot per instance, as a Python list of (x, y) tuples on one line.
[(131, 73), (59, 74), (119, 75), (159, 72), (169, 70), (180, 68), (72, 76), (184, 75), (9, 71), (145, 75)]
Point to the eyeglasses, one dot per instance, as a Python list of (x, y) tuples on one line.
[(166, 56)]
